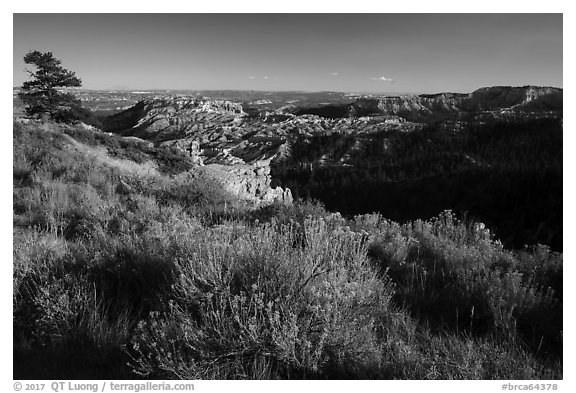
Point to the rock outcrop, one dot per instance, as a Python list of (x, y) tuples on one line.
[(190, 147), (249, 183)]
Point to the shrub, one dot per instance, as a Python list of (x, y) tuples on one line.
[(454, 276), (246, 298)]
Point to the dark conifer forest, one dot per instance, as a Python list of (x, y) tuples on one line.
[(507, 174)]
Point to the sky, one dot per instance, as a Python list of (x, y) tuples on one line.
[(369, 53)]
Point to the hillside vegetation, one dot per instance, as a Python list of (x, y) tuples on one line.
[(128, 265)]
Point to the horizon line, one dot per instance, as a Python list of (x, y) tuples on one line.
[(301, 91)]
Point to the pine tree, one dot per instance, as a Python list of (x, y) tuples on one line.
[(42, 94)]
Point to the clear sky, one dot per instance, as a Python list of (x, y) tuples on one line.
[(425, 53)]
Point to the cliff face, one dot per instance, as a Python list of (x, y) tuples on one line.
[(426, 103), (421, 107), (432, 107)]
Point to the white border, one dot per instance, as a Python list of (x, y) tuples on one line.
[(296, 6)]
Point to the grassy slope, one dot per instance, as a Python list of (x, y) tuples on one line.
[(123, 268)]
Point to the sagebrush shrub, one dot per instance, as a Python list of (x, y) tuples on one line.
[(246, 295)]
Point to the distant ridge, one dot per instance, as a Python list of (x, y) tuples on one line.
[(447, 105)]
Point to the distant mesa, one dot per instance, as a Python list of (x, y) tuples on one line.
[(444, 106), (527, 97)]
